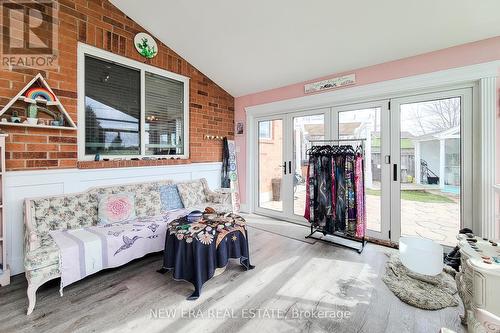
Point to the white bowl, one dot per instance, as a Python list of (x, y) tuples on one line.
[(421, 255)]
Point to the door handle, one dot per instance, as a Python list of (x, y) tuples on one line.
[(395, 172), (290, 167), (284, 167)]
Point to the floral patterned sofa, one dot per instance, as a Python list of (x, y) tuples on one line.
[(78, 210)]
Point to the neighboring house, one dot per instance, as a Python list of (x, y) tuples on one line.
[(440, 152)]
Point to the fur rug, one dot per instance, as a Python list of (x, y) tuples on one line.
[(422, 291)]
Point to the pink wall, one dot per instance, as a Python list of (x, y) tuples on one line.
[(457, 56)]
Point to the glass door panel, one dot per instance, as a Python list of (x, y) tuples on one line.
[(305, 129), (365, 124), (427, 170), (270, 164)]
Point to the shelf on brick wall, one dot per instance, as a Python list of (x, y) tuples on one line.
[(39, 82), (38, 126)]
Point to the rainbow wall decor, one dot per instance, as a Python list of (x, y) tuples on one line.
[(39, 92)]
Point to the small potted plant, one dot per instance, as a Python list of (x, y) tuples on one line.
[(32, 114)]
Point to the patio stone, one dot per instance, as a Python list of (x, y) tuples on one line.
[(433, 220)]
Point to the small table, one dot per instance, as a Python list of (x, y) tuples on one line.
[(193, 251)]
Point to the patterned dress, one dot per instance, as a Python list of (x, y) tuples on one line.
[(350, 197), (340, 207), (335, 199), (359, 183)]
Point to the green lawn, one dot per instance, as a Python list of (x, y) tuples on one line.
[(422, 196)]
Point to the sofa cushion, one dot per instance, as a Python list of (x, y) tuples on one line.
[(62, 212), (44, 256), (192, 193), (147, 197), (115, 208), (170, 198)]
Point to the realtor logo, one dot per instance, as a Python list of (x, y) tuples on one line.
[(29, 34)]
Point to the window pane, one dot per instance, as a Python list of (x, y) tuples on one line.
[(112, 108), (430, 169), (164, 123), (270, 161), (305, 129), (265, 130), (365, 124)]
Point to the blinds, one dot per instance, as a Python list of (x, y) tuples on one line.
[(164, 116), (113, 114), (112, 108)]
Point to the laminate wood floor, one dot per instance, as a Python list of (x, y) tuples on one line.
[(295, 287)]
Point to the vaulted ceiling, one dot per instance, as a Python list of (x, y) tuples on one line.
[(250, 46)]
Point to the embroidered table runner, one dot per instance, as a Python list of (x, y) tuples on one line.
[(194, 250)]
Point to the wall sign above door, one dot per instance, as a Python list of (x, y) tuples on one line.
[(336, 82), (145, 45)]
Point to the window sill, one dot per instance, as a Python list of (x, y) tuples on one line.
[(129, 163)]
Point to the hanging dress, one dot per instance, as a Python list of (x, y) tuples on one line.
[(359, 183), (340, 206), (350, 197), (307, 211), (225, 182), (323, 208)]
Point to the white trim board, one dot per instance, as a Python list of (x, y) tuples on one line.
[(380, 90), (31, 184), (84, 49)]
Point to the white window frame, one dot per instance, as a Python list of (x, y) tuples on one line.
[(83, 50)]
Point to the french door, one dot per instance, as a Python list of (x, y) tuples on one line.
[(418, 165), (431, 162), (370, 121), (281, 161)]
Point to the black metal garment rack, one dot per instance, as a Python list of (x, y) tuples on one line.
[(315, 229)]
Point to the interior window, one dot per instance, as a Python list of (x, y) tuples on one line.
[(113, 113), (112, 108), (164, 123)]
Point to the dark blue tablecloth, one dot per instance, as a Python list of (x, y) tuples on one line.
[(194, 250)]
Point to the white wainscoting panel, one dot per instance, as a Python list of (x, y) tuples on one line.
[(20, 185)]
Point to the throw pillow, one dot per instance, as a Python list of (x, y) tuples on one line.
[(170, 199), (115, 208), (192, 194)]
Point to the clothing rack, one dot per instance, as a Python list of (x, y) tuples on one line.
[(339, 234)]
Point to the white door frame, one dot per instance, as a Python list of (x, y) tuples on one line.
[(326, 112), (466, 152), (284, 180), (482, 77), (385, 197), (287, 212)]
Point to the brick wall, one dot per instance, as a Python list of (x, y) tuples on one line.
[(100, 24)]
